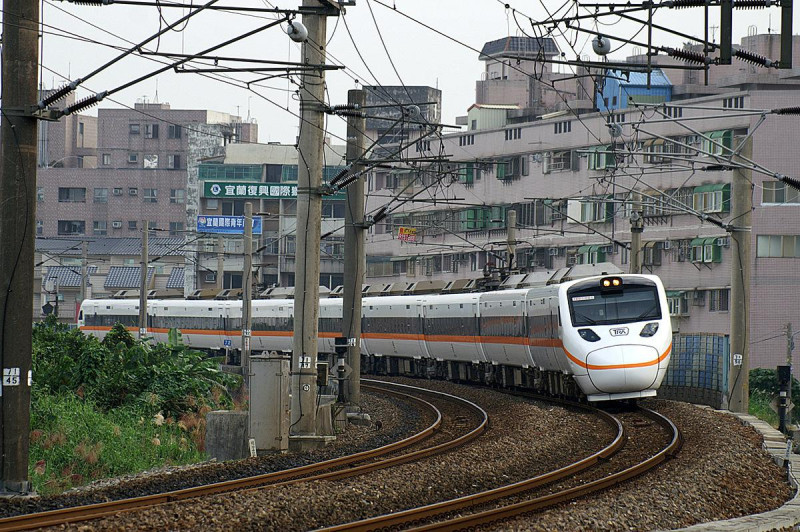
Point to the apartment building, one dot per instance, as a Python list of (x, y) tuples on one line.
[(145, 166)]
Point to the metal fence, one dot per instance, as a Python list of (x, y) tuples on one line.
[(698, 369)]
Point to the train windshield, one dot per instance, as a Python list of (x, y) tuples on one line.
[(589, 305)]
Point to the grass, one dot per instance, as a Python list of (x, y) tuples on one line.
[(760, 407), (74, 443)]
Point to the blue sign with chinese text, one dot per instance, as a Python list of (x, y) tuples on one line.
[(232, 225)]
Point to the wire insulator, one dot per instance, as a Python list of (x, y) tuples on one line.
[(792, 182), (346, 107), (55, 96), (343, 172), (717, 168), (347, 182), (683, 4), (787, 111), (380, 215), (357, 114), (756, 59), (85, 103), (92, 2), (688, 56), (752, 4)]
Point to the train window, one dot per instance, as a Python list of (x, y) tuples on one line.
[(408, 307), (461, 305), (108, 307), (209, 308), (514, 303)]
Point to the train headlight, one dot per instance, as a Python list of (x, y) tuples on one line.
[(649, 330), (610, 283), (589, 335)]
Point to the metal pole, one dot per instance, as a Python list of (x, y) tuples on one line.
[(17, 233), (247, 300), (84, 268), (309, 219), (637, 227), (786, 34), (143, 282), (220, 263), (511, 237), (741, 209), (354, 254)]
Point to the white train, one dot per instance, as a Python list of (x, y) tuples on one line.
[(609, 336)]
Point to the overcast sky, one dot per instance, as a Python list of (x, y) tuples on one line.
[(421, 56)]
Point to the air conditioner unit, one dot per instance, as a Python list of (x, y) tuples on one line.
[(211, 277), (118, 192), (116, 225), (666, 244), (552, 252), (724, 241), (133, 191)]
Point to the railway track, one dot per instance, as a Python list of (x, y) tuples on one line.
[(442, 516), (458, 431)]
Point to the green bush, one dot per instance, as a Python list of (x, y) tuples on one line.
[(73, 442), (764, 388), (121, 371)]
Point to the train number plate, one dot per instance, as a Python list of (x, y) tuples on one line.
[(619, 331)]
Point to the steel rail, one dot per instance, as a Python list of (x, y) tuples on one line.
[(408, 517), (514, 510), (93, 511)]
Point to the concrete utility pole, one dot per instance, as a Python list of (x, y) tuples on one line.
[(741, 214), (354, 254), (247, 291), (143, 283), (17, 233), (789, 349), (303, 426), (220, 262), (637, 227)]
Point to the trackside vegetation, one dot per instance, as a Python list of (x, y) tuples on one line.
[(103, 409)]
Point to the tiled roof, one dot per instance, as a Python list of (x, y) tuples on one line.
[(520, 47), (170, 246), (127, 276), (68, 276), (175, 278)]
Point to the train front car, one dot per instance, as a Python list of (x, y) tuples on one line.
[(616, 334)]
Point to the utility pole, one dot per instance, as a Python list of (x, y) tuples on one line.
[(511, 237), (303, 427), (354, 254), (789, 349), (741, 214), (17, 222), (143, 283), (247, 291), (84, 268), (220, 262), (637, 227)]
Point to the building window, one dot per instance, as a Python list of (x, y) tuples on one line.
[(777, 192), (133, 158), (151, 131), (513, 133), (175, 228), (706, 250), (71, 227), (150, 195), (718, 300), (333, 209), (100, 228), (712, 198), (152, 226), (177, 195), (101, 195), (466, 140), (132, 225), (678, 304), (212, 204), (106, 159), (39, 227), (71, 195), (174, 131), (151, 160), (174, 161), (133, 129), (562, 127), (39, 194), (780, 246)]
